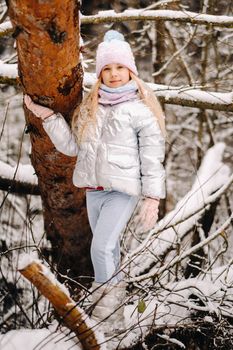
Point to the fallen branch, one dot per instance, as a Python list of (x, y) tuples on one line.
[(73, 316)]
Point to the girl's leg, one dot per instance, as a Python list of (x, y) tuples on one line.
[(114, 210), (93, 202)]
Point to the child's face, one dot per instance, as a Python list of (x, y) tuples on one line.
[(115, 75)]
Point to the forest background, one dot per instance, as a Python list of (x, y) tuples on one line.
[(186, 265)]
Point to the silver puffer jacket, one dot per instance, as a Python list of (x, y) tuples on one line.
[(122, 151)]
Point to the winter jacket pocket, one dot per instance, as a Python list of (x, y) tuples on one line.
[(123, 157)]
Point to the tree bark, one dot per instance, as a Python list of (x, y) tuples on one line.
[(47, 37)]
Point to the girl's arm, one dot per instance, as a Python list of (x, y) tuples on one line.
[(55, 126), (61, 135), (151, 145)]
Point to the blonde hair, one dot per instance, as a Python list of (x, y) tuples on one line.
[(85, 113), (147, 95)]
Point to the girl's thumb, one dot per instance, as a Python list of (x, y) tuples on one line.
[(27, 100)]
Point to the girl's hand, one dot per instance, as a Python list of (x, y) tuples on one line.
[(147, 215), (38, 110)]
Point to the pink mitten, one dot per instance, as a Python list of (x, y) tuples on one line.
[(38, 110), (147, 214)]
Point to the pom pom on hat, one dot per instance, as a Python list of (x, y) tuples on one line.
[(114, 49), (113, 34)]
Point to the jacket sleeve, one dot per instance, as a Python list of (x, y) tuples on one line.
[(61, 135), (151, 144)]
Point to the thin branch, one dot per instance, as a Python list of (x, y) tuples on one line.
[(20, 179), (196, 98), (161, 4), (179, 53), (166, 15), (4, 120), (150, 15), (18, 187), (156, 272), (169, 222)]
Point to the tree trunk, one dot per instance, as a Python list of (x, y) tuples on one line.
[(47, 36)]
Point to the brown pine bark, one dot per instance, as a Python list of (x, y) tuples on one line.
[(47, 37)]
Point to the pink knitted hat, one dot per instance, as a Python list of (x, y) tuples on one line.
[(114, 49)]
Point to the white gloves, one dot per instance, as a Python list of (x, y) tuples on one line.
[(147, 215), (38, 110)]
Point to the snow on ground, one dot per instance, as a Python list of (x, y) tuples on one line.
[(37, 339)]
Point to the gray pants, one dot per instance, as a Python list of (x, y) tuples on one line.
[(108, 213)]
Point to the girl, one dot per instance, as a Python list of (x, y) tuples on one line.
[(118, 134)]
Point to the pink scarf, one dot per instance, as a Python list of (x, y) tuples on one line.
[(112, 96)]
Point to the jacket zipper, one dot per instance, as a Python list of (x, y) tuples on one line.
[(101, 134)]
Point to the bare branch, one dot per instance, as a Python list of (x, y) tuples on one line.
[(20, 179), (166, 15), (156, 272), (179, 52), (150, 15), (18, 187), (191, 97)]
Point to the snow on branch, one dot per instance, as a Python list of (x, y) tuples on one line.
[(213, 292), (194, 97), (5, 28), (157, 272), (8, 70), (174, 304), (187, 96), (72, 315), (154, 15), (8, 73), (18, 179), (110, 16)]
